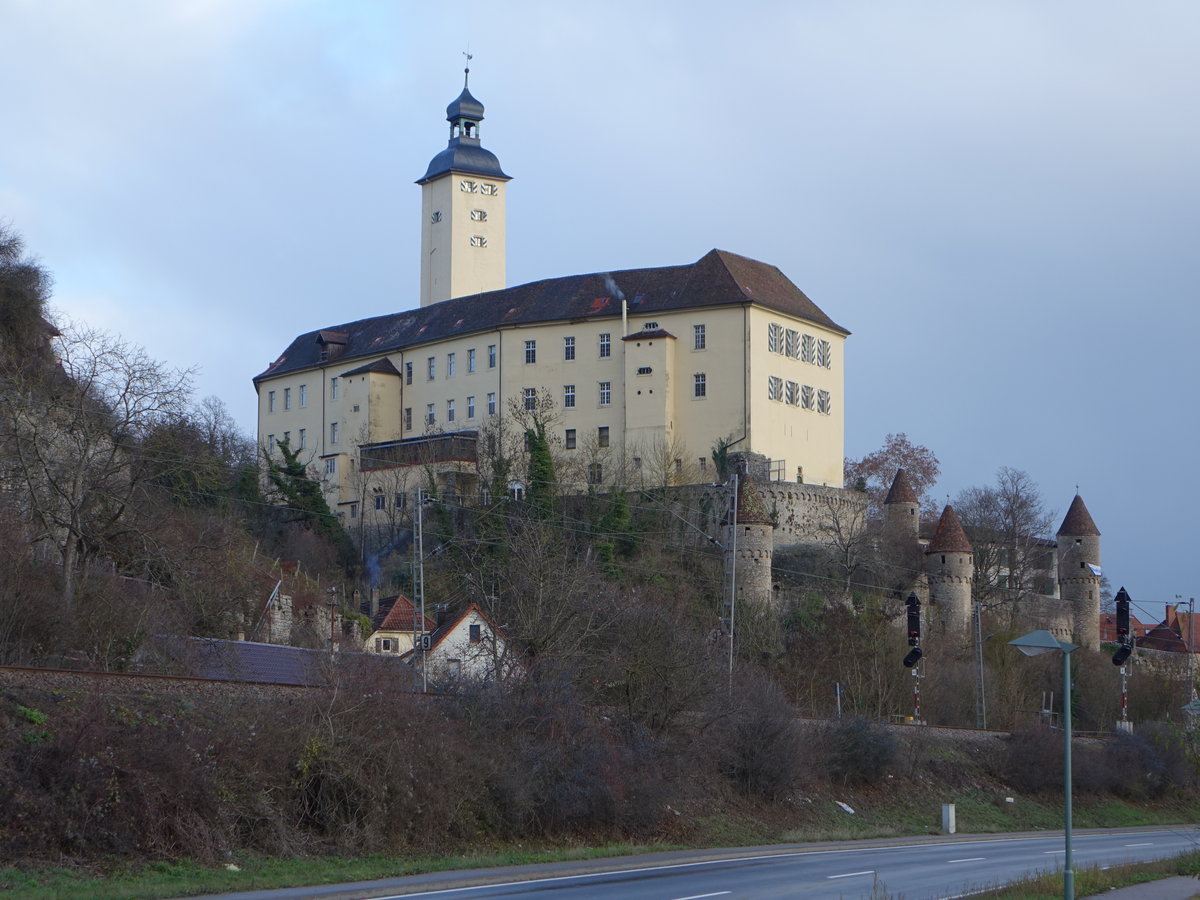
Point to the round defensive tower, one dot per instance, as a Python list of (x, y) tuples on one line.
[(950, 567), (754, 543), (901, 511), (1079, 572)]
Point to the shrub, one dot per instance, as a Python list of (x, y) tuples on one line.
[(857, 751)]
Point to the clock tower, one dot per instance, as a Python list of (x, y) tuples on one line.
[(462, 211)]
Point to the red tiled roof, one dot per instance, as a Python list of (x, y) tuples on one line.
[(750, 507), (403, 616), (1078, 522), (949, 536), (901, 491)]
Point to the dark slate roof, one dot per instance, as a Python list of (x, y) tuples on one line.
[(648, 335), (379, 367), (901, 491), (222, 660), (464, 106), (719, 278), (467, 156), (1078, 521), (949, 536)]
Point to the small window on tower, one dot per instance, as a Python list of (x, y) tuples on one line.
[(436, 217), (478, 215), (478, 240)]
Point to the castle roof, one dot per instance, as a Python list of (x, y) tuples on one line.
[(949, 536), (719, 278), (750, 507), (1078, 521), (901, 491)]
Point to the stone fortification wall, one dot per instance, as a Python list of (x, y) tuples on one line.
[(1052, 614), (801, 512)]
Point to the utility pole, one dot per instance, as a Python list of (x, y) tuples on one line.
[(419, 623), (980, 693)]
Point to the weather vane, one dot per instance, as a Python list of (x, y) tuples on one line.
[(467, 68)]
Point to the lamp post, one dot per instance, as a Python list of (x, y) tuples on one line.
[(1034, 644)]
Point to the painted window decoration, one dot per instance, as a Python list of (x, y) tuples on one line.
[(824, 354), (792, 394), (478, 240), (824, 402), (774, 337), (808, 349), (792, 343), (478, 215), (774, 388), (806, 396)]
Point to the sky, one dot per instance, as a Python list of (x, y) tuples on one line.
[(1001, 200)]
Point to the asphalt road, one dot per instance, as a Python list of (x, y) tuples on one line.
[(917, 868)]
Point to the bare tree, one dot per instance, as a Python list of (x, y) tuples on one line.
[(875, 471), (1009, 528), (844, 529), (72, 440)]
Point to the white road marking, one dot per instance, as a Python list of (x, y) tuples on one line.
[(1054, 851), (1143, 844), (700, 896), (852, 874), (968, 859)]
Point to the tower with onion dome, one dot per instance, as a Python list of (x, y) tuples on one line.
[(463, 196)]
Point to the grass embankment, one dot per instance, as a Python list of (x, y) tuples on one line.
[(877, 814), (1092, 881)]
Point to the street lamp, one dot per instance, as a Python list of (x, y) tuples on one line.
[(1034, 644)]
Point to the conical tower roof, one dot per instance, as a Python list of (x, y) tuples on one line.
[(751, 510), (1078, 521), (949, 536), (902, 491)]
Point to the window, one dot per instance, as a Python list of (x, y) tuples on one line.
[(471, 360), (602, 436), (824, 402), (471, 407), (333, 386), (792, 393), (401, 500), (303, 396), (678, 465), (430, 368), (700, 385), (645, 370), (429, 416), (698, 337), (807, 348), (824, 354), (775, 337), (637, 463), (478, 215), (331, 466), (408, 418), (806, 396), (475, 633), (303, 438), (354, 510), (270, 443), (530, 397), (408, 373), (380, 501), (449, 410), (569, 443), (774, 388), (435, 217), (702, 464), (568, 348), (491, 401), (478, 240), (530, 351), (605, 345), (491, 356), (333, 432), (595, 473), (568, 396), (287, 438), (605, 393), (449, 365), (270, 401), (287, 398), (792, 344)]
